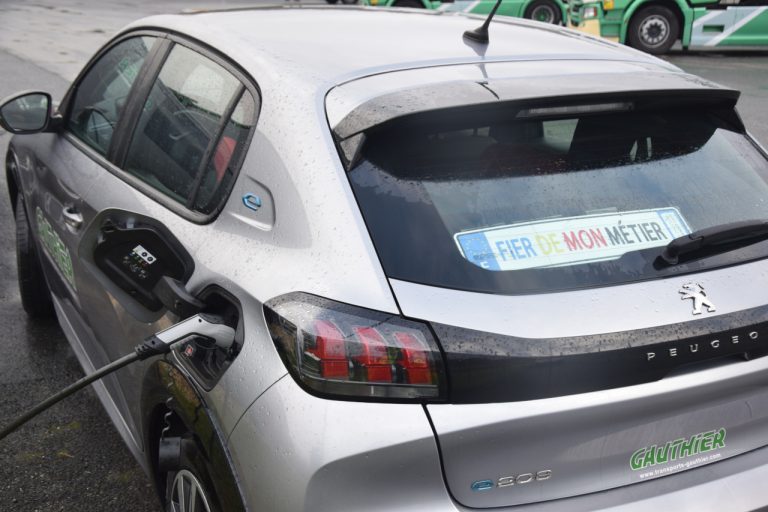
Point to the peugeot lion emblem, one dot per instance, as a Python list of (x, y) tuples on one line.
[(696, 292)]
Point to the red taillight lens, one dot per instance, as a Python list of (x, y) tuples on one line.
[(373, 355), (340, 350), (414, 358), (330, 350)]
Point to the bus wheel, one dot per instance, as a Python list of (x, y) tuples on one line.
[(653, 30), (544, 11)]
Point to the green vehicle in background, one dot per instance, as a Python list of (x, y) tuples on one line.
[(655, 25), (546, 11)]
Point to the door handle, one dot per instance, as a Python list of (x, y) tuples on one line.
[(72, 217)]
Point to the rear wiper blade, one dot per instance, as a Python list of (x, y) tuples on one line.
[(714, 240)]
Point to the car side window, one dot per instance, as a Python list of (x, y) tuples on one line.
[(102, 93), (191, 131)]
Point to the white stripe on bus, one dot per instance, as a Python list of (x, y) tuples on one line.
[(717, 17), (471, 6), (736, 26), (706, 17), (460, 6)]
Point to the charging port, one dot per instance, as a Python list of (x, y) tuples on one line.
[(203, 359)]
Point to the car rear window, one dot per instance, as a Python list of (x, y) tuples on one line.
[(543, 199)]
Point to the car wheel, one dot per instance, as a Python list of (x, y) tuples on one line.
[(189, 485), (409, 3), (332, 1), (188, 459), (544, 11), (653, 30), (187, 492), (35, 296)]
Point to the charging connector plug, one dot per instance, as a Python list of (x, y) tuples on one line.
[(202, 324)]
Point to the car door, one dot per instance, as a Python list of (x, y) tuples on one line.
[(60, 170), (174, 162)]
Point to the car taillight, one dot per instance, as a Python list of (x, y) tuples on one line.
[(341, 351)]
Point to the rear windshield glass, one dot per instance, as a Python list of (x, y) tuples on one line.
[(522, 203)]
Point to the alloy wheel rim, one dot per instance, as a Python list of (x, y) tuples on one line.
[(654, 30), (187, 494)]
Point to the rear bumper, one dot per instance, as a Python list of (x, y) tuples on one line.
[(735, 485), (296, 452), (618, 439)]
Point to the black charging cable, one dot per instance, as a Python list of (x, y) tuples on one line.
[(202, 324)]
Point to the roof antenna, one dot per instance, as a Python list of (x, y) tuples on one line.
[(480, 34)]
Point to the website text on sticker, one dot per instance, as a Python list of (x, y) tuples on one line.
[(570, 240)]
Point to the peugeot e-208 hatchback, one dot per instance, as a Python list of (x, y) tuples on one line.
[(524, 275)]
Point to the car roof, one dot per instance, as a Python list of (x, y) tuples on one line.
[(321, 47)]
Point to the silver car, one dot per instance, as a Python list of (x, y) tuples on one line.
[(525, 275)]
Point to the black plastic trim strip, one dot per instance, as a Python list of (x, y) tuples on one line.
[(126, 125), (488, 368), (213, 144)]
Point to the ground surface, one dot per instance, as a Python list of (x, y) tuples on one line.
[(71, 458)]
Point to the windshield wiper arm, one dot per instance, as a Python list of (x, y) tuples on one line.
[(714, 240)]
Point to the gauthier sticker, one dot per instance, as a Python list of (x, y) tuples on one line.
[(55, 248), (678, 449), (570, 240)]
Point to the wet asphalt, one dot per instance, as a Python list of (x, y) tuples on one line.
[(71, 457)]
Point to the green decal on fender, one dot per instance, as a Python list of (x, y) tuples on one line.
[(55, 247), (677, 449)]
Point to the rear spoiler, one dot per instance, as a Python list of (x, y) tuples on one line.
[(448, 100)]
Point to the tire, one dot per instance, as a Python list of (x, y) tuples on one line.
[(653, 30), (35, 295), (190, 480), (332, 2), (544, 11), (415, 4), (193, 448)]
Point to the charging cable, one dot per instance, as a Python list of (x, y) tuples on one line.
[(202, 324)]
